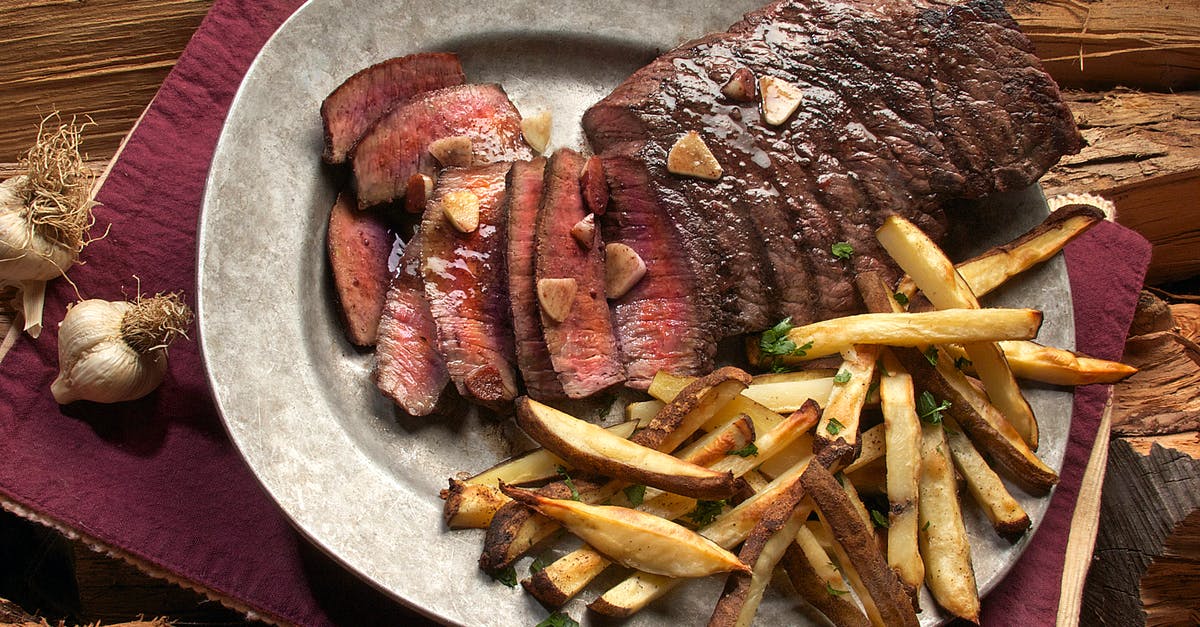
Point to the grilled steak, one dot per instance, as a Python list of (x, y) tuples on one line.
[(524, 197), (466, 285), (396, 146), (358, 244), (582, 347), (355, 105), (904, 106), (409, 367)]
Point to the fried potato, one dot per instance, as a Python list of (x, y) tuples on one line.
[(1007, 516), (1034, 362), (937, 278), (950, 325), (536, 465), (470, 506), (763, 550), (635, 539), (903, 434), (643, 412), (873, 448), (841, 419), (818, 582), (693, 407), (592, 449), (947, 554), (786, 392)]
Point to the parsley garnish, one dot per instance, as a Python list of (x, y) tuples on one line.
[(539, 564), (931, 355), (834, 591), (901, 298), (635, 494), (842, 250), (842, 376), (749, 450), (558, 619), (926, 527), (879, 519), (962, 363), (570, 483), (929, 410), (776, 343), (834, 427), (508, 576), (706, 512)]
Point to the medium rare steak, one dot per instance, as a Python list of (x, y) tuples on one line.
[(409, 367), (904, 106), (397, 145), (466, 285), (524, 197), (582, 346), (354, 106)]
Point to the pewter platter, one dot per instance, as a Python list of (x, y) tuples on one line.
[(357, 478)]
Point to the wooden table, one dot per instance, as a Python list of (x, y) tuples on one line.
[(106, 58)]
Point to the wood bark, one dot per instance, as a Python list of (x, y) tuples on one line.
[(1171, 585)]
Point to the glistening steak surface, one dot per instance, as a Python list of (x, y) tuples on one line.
[(905, 106)]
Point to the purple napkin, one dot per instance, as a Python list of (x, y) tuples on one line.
[(157, 481)]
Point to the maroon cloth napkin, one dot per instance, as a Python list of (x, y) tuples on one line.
[(157, 481)]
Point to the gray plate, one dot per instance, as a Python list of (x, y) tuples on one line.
[(357, 479)]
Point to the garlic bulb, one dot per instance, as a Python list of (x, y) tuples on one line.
[(110, 352)]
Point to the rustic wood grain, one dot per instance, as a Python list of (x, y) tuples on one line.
[(1187, 442), (1171, 585), (1144, 498), (103, 58), (1099, 44)]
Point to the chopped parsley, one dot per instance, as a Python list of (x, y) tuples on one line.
[(706, 512), (776, 343), (834, 592), (558, 619), (508, 576), (926, 527), (901, 298), (635, 494), (842, 250), (570, 483), (749, 450), (879, 519), (962, 363), (539, 564), (931, 355), (834, 427), (843, 376), (929, 410)]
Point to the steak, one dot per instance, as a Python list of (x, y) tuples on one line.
[(582, 346), (397, 145), (467, 288), (358, 244), (905, 106), (524, 197), (362, 99), (409, 367)]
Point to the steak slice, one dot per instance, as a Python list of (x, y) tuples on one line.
[(358, 245), (582, 346), (524, 197), (905, 107), (466, 285), (409, 368), (357, 103), (397, 145)]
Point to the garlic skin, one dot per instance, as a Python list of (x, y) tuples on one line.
[(24, 254), (95, 361)]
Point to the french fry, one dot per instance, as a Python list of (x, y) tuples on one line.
[(1007, 516), (691, 408), (763, 550), (855, 537), (949, 325), (824, 534), (536, 465), (871, 478), (471, 506), (873, 448), (818, 581), (937, 278), (642, 412), (633, 538), (944, 546), (841, 419), (1035, 362), (903, 435), (785, 392)]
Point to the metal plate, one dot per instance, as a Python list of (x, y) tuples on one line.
[(355, 477)]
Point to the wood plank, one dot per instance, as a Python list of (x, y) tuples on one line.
[(103, 58), (1171, 585), (1100, 44)]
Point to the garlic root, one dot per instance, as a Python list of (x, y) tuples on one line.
[(110, 352)]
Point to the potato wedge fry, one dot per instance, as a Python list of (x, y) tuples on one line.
[(937, 278), (785, 392), (665, 387), (763, 550), (824, 534), (949, 325), (815, 578), (635, 539), (880, 582), (536, 465), (841, 419), (873, 448), (693, 407), (643, 412), (943, 538), (1007, 516), (470, 506), (903, 435), (1034, 362), (981, 421), (592, 449)]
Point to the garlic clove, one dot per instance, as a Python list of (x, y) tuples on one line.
[(584, 231), (556, 296), (691, 157), (623, 269), (416, 196), (452, 152), (461, 208), (740, 86), (780, 99), (536, 129)]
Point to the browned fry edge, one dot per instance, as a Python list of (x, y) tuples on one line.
[(672, 414), (814, 589), (457, 493), (514, 520)]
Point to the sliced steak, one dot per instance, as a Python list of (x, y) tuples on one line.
[(409, 367), (905, 106), (582, 346), (397, 145), (362, 99), (659, 324), (467, 288), (358, 245), (524, 197)]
